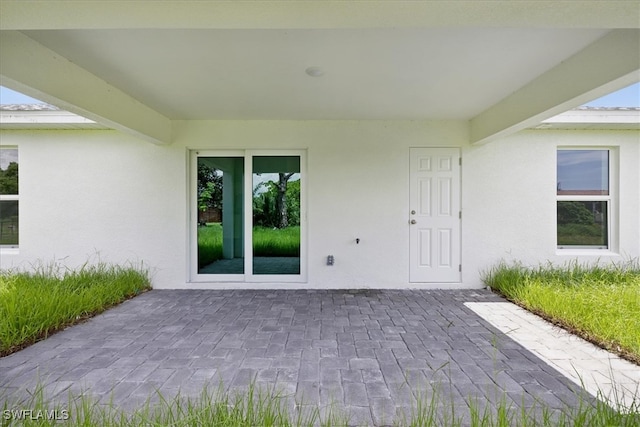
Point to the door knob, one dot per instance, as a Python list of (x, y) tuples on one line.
[(413, 221)]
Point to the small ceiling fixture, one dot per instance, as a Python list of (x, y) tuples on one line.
[(314, 71)]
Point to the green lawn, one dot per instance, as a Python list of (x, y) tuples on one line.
[(267, 242), (599, 303), (34, 305)]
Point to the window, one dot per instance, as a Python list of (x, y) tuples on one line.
[(9, 230), (584, 199)]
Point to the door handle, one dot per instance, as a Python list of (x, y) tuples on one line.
[(413, 221)]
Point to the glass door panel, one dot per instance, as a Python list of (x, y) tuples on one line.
[(276, 215), (220, 229)]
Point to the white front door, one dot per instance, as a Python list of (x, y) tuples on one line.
[(434, 215)]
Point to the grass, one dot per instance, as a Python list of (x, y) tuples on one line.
[(36, 304), (271, 407), (209, 244), (581, 234), (598, 303), (50, 290), (267, 242), (276, 242)]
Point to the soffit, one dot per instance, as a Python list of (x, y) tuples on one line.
[(369, 73)]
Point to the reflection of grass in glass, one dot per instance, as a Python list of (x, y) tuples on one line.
[(9, 231), (209, 244), (266, 242), (581, 234), (276, 242)]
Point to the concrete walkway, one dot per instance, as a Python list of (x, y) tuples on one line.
[(604, 375), (367, 353)]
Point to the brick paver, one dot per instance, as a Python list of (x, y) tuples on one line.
[(369, 353)]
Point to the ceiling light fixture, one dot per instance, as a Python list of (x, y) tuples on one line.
[(314, 71)]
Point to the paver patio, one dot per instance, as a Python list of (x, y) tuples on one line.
[(369, 352)]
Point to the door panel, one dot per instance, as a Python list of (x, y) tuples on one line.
[(434, 219), (425, 247)]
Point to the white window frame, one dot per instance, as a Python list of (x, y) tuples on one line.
[(236, 280), (12, 197), (612, 205)]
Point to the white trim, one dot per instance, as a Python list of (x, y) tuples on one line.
[(194, 276), (248, 276), (11, 249), (594, 118), (612, 200)]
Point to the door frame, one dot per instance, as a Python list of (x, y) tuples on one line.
[(458, 200), (247, 276)]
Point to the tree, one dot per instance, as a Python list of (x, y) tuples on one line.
[(209, 187), (278, 205), (9, 179), (281, 200), (574, 213)]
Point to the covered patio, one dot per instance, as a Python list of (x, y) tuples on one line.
[(369, 354)]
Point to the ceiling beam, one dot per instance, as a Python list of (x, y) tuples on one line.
[(610, 63), (30, 68), (310, 14)]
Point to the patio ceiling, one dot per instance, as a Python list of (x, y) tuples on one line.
[(139, 65)]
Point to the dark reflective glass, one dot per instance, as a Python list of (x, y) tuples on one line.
[(276, 215), (583, 172), (9, 228), (220, 215), (582, 223)]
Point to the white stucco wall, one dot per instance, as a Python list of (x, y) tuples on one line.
[(86, 195), (509, 198), (100, 192)]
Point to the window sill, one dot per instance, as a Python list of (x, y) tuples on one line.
[(587, 252), (9, 251)]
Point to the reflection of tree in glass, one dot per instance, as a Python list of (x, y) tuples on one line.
[(9, 179), (9, 208), (581, 223), (279, 205), (209, 187), (574, 213)]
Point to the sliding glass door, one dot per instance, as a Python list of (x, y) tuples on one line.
[(248, 216)]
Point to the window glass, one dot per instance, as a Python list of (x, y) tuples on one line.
[(9, 171), (9, 230), (220, 215), (582, 223), (583, 198), (9, 222), (583, 172), (276, 215)]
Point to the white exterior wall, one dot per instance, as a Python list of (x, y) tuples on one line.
[(98, 194), (509, 198), (84, 193)]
